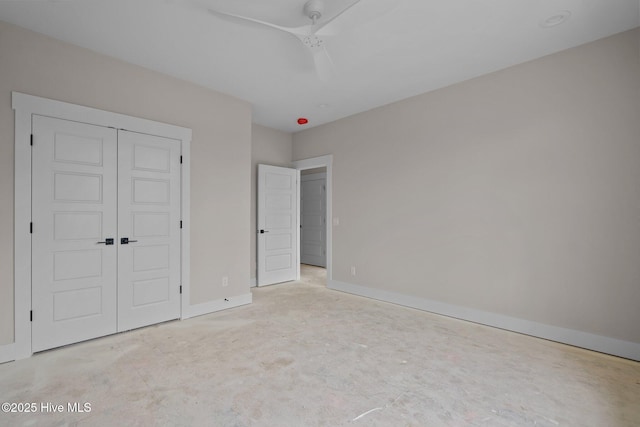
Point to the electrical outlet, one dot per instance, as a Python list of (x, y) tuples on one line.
[(353, 270), (225, 281)]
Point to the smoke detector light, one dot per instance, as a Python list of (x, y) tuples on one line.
[(555, 19)]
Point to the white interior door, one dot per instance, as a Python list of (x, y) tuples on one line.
[(277, 221), (313, 213), (149, 220), (93, 187), (74, 213)]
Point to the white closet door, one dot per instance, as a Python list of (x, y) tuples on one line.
[(149, 217), (74, 213)]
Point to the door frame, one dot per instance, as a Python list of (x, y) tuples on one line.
[(25, 107), (312, 163)]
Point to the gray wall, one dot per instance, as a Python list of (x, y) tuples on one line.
[(516, 193), (269, 147), (221, 150)]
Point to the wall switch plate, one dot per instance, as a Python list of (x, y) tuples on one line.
[(336, 221), (225, 281), (353, 270)]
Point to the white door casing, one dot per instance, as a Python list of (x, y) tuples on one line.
[(313, 219), (26, 107), (149, 219), (326, 162), (277, 221), (74, 212)]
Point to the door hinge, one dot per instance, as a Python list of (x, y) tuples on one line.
[(180, 289), (31, 141), (31, 316), (31, 228), (180, 223), (180, 159)]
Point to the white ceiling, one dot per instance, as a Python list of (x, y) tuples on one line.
[(382, 50)]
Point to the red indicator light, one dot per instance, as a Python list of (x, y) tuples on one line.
[(302, 121)]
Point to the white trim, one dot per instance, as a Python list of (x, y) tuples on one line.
[(27, 105), (313, 176), (185, 263), (22, 237), (599, 343), (298, 203), (253, 282), (79, 113), (7, 353), (217, 305), (319, 162)]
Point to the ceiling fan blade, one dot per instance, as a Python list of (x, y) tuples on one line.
[(322, 25), (231, 16), (325, 69), (367, 12)]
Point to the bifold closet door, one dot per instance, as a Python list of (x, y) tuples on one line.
[(74, 265), (149, 220)]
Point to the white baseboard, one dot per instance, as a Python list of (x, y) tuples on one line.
[(253, 283), (599, 343), (7, 353), (217, 305)]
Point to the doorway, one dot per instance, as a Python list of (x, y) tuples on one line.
[(313, 217), (278, 215), (316, 243)]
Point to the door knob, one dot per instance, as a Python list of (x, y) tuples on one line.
[(107, 242), (264, 231), (126, 241)]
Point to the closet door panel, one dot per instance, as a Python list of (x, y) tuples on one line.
[(149, 220), (74, 212)]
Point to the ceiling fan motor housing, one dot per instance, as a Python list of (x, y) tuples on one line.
[(313, 9)]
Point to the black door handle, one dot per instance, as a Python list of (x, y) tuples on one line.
[(107, 242), (264, 231), (126, 241)]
